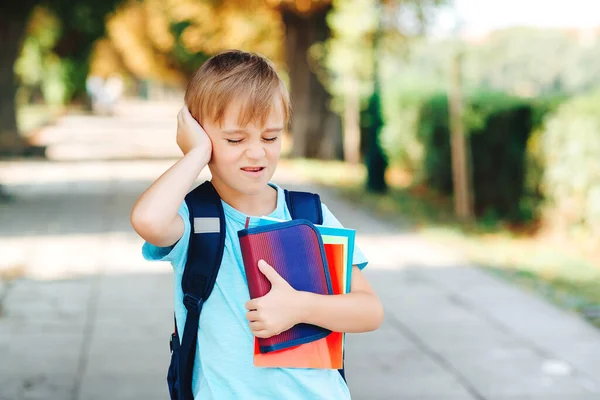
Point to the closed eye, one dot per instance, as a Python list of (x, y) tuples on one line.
[(268, 140)]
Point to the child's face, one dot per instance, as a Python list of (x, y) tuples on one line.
[(244, 158)]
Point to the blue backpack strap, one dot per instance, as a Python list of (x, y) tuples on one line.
[(306, 205), (207, 241)]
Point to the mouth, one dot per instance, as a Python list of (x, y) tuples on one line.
[(253, 171)]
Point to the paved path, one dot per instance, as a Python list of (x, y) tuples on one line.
[(83, 317)]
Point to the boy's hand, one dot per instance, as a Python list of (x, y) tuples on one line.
[(278, 310), (191, 135)]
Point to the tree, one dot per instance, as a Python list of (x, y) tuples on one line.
[(459, 145), (167, 40), (283, 30), (508, 60), (81, 24), (38, 69), (13, 19), (364, 33), (376, 161), (347, 57), (315, 127)]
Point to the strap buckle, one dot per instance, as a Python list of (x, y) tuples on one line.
[(192, 303)]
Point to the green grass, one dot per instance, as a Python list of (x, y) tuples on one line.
[(556, 271)]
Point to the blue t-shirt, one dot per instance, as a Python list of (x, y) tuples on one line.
[(223, 368)]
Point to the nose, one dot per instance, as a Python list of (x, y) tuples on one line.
[(255, 151)]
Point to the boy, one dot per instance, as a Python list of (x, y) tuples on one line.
[(236, 110)]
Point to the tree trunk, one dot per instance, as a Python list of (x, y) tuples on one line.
[(352, 124), (12, 29), (375, 160), (463, 194), (315, 128)]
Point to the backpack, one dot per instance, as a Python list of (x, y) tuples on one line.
[(205, 253)]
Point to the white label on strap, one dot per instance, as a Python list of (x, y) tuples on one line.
[(207, 225)]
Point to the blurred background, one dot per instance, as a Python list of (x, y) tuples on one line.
[(460, 138)]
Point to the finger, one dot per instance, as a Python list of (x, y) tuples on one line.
[(186, 112), (188, 118), (179, 121), (252, 305), (252, 316), (257, 326), (263, 334), (270, 273)]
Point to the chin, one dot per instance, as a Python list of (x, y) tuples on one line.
[(249, 188)]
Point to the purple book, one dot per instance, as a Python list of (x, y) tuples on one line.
[(295, 250)]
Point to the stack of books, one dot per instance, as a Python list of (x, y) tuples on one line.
[(311, 258)]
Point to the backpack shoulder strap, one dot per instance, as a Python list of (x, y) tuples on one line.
[(207, 241), (304, 205), (205, 253)]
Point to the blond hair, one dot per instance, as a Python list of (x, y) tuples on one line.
[(231, 75)]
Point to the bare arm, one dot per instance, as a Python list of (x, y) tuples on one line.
[(154, 216), (283, 307), (357, 311)]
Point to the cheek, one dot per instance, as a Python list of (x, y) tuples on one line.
[(225, 154), (274, 151)]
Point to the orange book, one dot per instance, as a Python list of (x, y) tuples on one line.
[(323, 353)]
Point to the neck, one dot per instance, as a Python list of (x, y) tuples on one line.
[(262, 203)]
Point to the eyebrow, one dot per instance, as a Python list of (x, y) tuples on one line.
[(239, 130)]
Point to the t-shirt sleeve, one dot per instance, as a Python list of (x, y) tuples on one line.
[(329, 219), (177, 253)]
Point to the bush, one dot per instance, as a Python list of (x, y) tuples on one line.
[(402, 100), (498, 127), (532, 201), (398, 137), (570, 150)]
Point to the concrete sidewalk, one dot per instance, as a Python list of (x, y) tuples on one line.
[(86, 318)]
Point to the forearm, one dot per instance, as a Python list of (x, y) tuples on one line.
[(157, 207), (353, 312)]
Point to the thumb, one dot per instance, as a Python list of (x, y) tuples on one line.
[(270, 273)]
